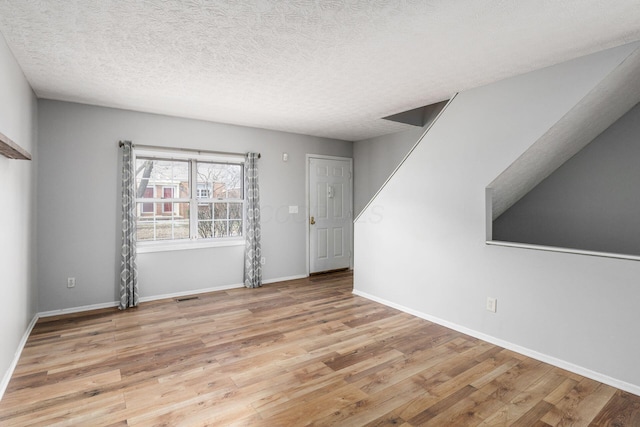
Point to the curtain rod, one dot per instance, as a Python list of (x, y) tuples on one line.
[(191, 150)]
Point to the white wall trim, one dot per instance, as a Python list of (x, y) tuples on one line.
[(111, 304), (284, 279), (91, 307), (79, 309), (622, 385), (16, 357), (193, 292), (561, 249), (214, 289)]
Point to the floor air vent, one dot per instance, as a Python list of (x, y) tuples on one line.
[(185, 299)]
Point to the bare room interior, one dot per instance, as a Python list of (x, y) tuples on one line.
[(320, 212)]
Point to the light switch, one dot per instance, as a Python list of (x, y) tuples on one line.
[(293, 209)]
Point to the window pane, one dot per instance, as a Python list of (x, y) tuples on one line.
[(205, 223), (220, 211), (166, 178), (168, 221), (148, 207), (221, 228), (235, 210), (145, 228), (167, 193), (235, 228), (219, 181)]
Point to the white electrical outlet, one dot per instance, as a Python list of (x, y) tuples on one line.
[(71, 282), (263, 261), (492, 304)]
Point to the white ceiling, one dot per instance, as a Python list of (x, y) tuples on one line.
[(330, 68)]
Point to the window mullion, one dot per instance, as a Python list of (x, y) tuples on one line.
[(193, 200)]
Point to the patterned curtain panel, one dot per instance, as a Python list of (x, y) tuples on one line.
[(252, 255), (128, 269)]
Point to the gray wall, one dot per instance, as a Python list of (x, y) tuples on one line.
[(79, 208), (375, 159), (427, 254), (591, 202), (17, 186)]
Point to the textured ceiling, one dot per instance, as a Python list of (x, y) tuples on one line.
[(330, 68)]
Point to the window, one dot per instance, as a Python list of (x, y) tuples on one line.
[(203, 193), (220, 202), (189, 198)]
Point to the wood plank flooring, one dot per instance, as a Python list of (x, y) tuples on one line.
[(303, 352)]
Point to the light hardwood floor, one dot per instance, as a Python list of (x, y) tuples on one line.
[(303, 352)]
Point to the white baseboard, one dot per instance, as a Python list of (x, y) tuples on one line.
[(16, 357), (79, 309), (605, 379), (82, 308), (284, 279), (214, 289), (187, 293)]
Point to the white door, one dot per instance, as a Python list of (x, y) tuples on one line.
[(330, 223)]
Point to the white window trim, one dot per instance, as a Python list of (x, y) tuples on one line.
[(194, 243), (187, 155)]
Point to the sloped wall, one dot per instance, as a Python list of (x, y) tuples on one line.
[(423, 249), (592, 202), (375, 159)]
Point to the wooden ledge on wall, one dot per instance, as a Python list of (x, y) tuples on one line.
[(11, 150)]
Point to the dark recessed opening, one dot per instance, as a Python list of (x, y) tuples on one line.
[(420, 116)]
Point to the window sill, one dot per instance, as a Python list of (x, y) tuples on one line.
[(564, 250), (148, 247)]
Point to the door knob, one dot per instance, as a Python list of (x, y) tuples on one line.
[(312, 221)]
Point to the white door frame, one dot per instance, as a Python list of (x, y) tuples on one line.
[(308, 157)]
